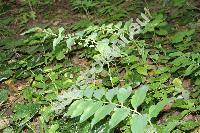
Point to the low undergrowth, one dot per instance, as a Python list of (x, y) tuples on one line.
[(102, 78)]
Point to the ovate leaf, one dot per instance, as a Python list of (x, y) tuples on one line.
[(88, 92), (98, 94), (59, 39), (139, 96), (123, 94), (73, 106), (56, 41), (118, 25), (111, 93), (90, 110), (101, 113), (138, 123), (60, 55), (170, 126), (80, 108), (154, 110), (142, 70), (119, 115), (70, 42)]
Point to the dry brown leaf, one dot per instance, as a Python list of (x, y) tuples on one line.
[(15, 86), (187, 83), (4, 123), (167, 107)]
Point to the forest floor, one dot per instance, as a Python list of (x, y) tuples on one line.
[(33, 73)]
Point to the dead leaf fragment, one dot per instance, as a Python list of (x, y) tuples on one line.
[(4, 123)]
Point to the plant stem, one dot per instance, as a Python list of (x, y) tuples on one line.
[(109, 72), (29, 3)]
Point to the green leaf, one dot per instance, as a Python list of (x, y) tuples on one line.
[(80, 108), (53, 76), (46, 113), (177, 82), (197, 73), (197, 82), (158, 19), (162, 32), (175, 54), (139, 96), (115, 80), (138, 123), (56, 41), (119, 115), (103, 47), (154, 110), (88, 92), (191, 69), (101, 113), (60, 55), (189, 125), (70, 42), (107, 51), (178, 37), (39, 77), (32, 30), (162, 78), (111, 93), (142, 70), (123, 94), (170, 126), (186, 94), (98, 94), (118, 25), (90, 110), (24, 112), (3, 95), (53, 128), (73, 106), (179, 3), (39, 84), (60, 30), (5, 74)]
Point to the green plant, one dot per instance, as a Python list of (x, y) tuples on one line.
[(84, 5), (24, 18), (114, 102), (113, 12), (104, 78), (83, 24)]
